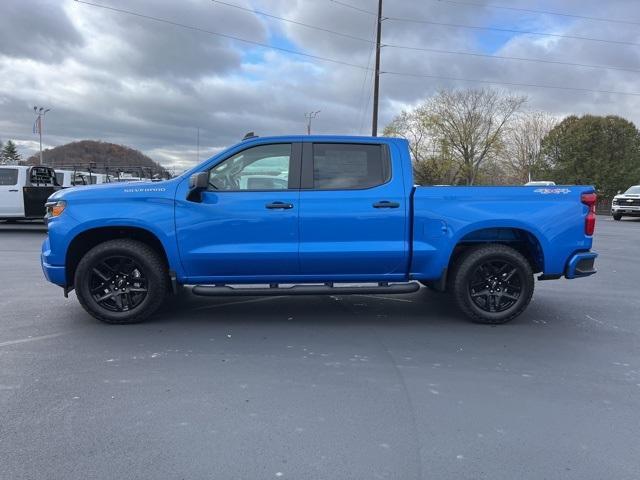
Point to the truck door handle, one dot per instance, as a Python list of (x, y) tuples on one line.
[(281, 205), (13, 190), (386, 204)]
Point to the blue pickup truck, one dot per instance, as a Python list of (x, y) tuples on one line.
[(305, 215)]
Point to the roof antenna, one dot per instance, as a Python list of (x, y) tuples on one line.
[(249, 135)]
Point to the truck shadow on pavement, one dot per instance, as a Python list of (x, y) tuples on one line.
[(420, 308)]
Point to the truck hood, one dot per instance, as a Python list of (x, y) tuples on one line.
[(117, 190), (623, 196)]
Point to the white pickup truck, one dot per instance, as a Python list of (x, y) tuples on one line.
[(24, 191), (626, 204)]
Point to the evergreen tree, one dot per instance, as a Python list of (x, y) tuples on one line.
[(10, 155)]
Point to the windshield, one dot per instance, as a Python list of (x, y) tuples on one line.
[(634, 190)]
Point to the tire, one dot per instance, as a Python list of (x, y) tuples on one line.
[(500, 271), (617, 217), (131, 265)]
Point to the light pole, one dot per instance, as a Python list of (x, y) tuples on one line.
[(40, 112), (309, 116)]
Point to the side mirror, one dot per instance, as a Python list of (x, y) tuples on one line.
[(619, 192), (197, 183)]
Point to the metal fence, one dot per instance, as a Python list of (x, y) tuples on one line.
[(603, 205)]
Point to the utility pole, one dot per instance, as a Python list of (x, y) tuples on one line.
[(39, 125), (376, 80), (309, 116)]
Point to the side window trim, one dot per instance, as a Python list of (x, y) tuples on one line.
[(294, 167), (307, 182)]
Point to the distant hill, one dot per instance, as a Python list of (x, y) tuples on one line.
[(98, 155)]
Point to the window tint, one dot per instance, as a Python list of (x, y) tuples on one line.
[(60, 178), (349, 166), (8, 176), (265, 167), (41, 176)]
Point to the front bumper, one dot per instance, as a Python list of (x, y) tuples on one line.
[(631, 210), (53, 273), (581, 265)]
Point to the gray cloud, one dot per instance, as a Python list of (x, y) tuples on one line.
[(38, 30)]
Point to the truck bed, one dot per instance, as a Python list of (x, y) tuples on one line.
[(551, 217)]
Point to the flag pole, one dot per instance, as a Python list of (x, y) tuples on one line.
[(40, 131)]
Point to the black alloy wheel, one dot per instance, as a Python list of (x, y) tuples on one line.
[(492, 283), (118, 283), (495, 286), (121, 281)]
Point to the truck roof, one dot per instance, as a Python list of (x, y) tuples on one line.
[(324, 138)]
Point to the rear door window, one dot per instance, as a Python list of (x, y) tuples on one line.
[(344, 166), (8, 176)]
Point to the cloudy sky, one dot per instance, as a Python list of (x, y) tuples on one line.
[(119, 77)]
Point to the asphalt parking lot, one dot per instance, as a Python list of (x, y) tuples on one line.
[(360, 387)]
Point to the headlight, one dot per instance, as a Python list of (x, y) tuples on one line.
[(55, 209), (615, 201)]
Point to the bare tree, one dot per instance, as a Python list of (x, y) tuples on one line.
[(433, 162), (523, 144), (471, 123)]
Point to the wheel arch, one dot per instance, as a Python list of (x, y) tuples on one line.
[(87, 239), (521, 239)]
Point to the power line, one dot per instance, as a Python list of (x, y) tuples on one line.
[(295, 22), (511, 84), (505, 57), (364, 108), (424, 49), (326, 59), (511, 30), (223, 35), (353, 7), (493, 29), (543, 12)]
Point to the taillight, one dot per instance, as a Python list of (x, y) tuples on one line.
[(589, 199)]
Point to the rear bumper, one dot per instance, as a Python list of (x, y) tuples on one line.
[(581, 265)]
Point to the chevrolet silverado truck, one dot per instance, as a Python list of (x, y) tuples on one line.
[(306, 215), (626, 204)]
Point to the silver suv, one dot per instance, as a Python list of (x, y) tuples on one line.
[(627, 203)]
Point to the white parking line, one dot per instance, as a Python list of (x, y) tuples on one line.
[(31, 339)]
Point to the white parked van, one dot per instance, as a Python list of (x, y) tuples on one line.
[(24, 191)]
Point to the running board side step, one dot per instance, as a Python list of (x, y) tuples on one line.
[(326, 289)]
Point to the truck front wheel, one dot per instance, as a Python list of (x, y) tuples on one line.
[(493, 283), (121, 281), (617, 216)]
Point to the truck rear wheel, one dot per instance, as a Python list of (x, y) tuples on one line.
[(492, 284), (121, 281)]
